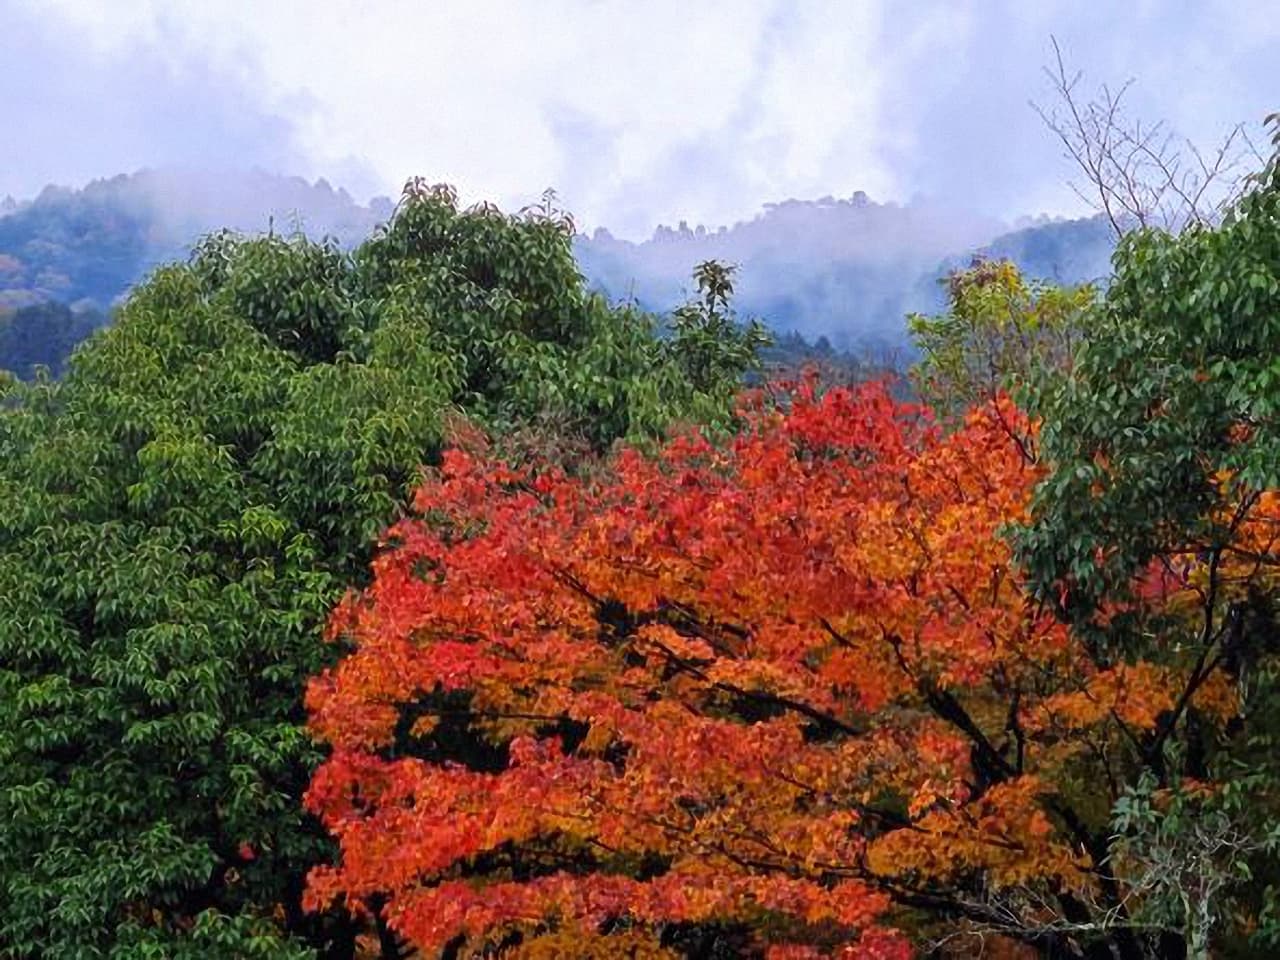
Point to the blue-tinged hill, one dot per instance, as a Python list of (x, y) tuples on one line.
[(92, 244)]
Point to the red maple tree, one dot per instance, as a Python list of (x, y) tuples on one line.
[(788, 684)]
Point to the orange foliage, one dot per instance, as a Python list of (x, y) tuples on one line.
[(780, 684)]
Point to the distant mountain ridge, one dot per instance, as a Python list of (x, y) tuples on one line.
[(845, 269), (93, 243)]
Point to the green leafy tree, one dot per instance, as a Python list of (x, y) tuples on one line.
[(707, 341), (1000, 330), (178, 514), (1177, 382), (1162, 439)]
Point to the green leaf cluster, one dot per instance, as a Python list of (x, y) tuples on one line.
[(1163, 427), (1177, 382), (1000, 331)]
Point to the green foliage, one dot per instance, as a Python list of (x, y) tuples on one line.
[(1177, 381), (998, 333), (180, 512), (1157, 439), (708, 344), (1191, 852)]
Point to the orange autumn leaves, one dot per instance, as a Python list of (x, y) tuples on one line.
[(781, 683)]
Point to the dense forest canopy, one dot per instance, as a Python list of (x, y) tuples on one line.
[(452, 585)]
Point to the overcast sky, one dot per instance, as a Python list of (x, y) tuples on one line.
[(636, 112)]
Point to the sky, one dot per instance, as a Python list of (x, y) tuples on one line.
[(637, 113)]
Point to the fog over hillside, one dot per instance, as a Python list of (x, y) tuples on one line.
[(849, 269), (846, 268)]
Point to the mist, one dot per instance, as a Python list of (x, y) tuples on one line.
[(848, 269), (91, 244)]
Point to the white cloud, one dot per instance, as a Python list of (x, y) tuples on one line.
[(641, 112), (478, 92)]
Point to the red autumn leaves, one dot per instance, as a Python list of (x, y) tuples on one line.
[(785, 683)]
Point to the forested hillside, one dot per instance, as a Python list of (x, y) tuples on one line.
[(44, 334), (94, 243)]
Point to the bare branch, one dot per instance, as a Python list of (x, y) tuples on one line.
[(1140, 174)]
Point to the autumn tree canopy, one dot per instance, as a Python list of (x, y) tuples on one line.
[(791, 686)]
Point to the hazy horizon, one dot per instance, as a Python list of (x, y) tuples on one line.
[(211, 180)]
